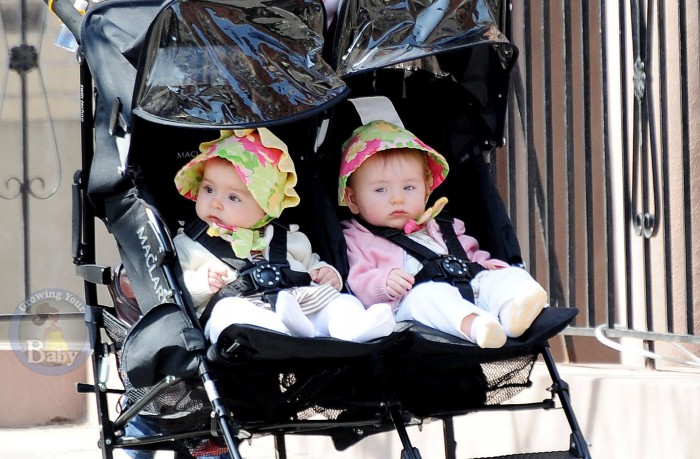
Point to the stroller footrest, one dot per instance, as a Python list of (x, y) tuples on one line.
[(95, 274), (83, 388)]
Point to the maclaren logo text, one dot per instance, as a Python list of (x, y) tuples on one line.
[(151, 262)]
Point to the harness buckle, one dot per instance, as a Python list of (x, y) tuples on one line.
[(266, 276), (455, 268)]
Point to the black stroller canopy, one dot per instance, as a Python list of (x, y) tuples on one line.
[(373, 34), (234, 64), (207, 65), (210, 64), (456, 43)]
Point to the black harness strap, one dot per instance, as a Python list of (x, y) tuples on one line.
[(454, 247), (266, 276), (454, 268)]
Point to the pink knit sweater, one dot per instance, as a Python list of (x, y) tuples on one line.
[(372, 257)]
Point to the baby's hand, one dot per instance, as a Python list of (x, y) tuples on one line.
[(217, 279), (326, 275), (398, 283)]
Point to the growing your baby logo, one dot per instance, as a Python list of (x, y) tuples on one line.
[(48, 332)]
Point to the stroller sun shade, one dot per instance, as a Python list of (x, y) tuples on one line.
[(378, 33), (236, 64)]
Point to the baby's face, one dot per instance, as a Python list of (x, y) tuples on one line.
[(388, 191), (224, 199)]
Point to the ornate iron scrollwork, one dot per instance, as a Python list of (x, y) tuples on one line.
[(23, 59)]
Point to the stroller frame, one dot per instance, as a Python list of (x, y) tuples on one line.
[(106, 326)]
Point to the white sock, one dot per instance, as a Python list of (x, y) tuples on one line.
[(291, 315), (360, 325), (486, 332), (517, 314)]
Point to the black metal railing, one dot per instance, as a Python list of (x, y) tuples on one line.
[(600, 168)]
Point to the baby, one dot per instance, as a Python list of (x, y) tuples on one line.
[(386, 177)]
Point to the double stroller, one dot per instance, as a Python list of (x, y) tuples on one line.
[(168, 76)]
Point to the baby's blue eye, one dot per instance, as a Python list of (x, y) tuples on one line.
[(234, 198), (380, 190), (409, 187), (207, 189)]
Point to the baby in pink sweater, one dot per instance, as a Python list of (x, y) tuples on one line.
[(386, 177)]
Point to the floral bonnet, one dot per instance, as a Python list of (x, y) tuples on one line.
[(261, 160), (263, 163), (378, 136)]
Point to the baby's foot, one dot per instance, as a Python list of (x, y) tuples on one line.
[(291, 315), (375, 322), (517, 314), (486, 332)]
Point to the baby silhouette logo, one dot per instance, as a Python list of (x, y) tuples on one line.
[(48, 332)]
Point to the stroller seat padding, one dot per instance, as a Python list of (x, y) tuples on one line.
[(258, 344)]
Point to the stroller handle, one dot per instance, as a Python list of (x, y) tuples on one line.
[(67, 14)]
